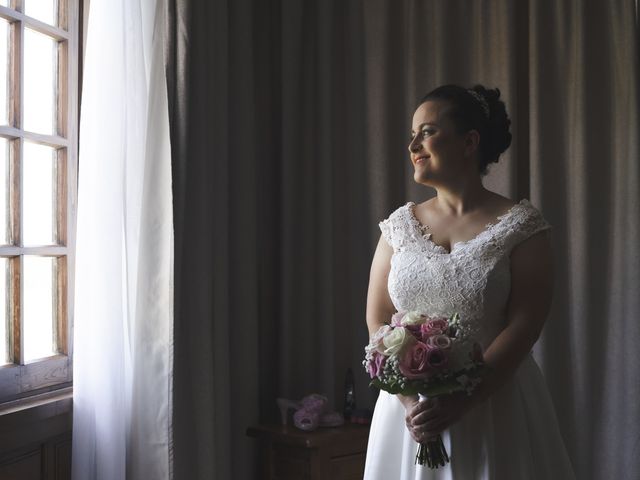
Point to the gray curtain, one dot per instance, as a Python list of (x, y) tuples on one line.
[(290, 122)]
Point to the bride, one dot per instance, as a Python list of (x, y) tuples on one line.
[(490, 258)]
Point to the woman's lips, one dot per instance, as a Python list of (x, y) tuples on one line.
[(421, 160)]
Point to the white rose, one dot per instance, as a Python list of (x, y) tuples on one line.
[(396, 340), (413, 318)]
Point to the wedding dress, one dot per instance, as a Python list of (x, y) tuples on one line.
[(514, 434)]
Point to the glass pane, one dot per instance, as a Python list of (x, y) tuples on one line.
[(4, 71), (43, 10), (40, 77), (38, 203), (4, 320), (38, 307), (4, 3)]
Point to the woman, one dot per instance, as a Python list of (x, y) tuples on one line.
[(472, 251)]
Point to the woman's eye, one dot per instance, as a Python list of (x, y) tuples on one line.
[(423, 133)]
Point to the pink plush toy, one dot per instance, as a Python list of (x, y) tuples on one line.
[(311, 412)]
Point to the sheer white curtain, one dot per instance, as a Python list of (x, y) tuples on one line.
[(124, 260)]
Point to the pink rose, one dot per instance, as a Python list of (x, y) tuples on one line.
[(376, 364), (414, 362), (439, 341), (436, 358), (415, 330), (434, 327)]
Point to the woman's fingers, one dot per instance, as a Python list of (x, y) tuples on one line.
[(417, 408), (430, 431), (415, 433), (426, 415), (421, 434), (425, 420), (432, 425), (423, 406), (429, 436)]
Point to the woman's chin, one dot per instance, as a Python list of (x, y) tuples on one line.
[(420, 174)]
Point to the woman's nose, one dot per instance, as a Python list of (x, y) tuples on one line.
[(414, 146)]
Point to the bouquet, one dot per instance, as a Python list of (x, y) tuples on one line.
[(427, 356)]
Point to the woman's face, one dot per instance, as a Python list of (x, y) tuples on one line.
[(438, 153)]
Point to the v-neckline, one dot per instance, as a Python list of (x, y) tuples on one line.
[(489, 227)]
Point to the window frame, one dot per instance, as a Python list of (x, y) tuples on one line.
[(20, 379)]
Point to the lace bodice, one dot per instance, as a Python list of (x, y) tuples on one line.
[(473, 279)]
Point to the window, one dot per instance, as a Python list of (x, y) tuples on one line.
[(38, 158)]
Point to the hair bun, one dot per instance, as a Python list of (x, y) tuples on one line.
[(498, 129)]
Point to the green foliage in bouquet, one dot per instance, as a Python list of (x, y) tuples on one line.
[(440, 386)]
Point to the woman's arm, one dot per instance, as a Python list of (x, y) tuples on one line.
[(532, 283), (379, 304), (532, 279)]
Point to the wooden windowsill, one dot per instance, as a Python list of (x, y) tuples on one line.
[(36, 418), (56, 402)]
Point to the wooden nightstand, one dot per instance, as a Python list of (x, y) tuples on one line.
[(336, 453)]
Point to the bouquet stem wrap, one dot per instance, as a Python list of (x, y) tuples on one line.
[(432, 452)]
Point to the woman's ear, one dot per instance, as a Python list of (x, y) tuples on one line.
[(471, 143)]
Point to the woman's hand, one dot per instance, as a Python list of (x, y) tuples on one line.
[(410, 403), (427, 419)]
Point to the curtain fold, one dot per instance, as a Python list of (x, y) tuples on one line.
[(123, 292), (267, 139), (290, 124), (584, 111)]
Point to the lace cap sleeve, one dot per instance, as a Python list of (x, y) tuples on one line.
[(523, 224), (387, 230), (394, 228)]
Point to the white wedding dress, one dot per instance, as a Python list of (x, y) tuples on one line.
[(514, 435)]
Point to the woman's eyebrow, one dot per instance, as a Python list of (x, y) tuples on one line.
[(425, 123)]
